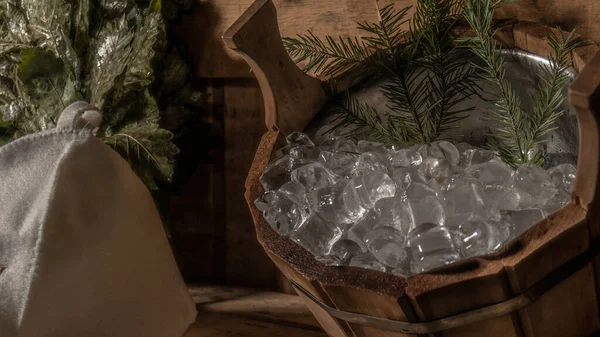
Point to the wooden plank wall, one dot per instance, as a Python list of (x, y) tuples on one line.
[(197, 210), (219, 241)]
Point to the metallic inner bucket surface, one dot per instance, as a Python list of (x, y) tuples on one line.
[(523, 71)]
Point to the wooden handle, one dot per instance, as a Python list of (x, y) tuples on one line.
[(291, 97), (584, 95)]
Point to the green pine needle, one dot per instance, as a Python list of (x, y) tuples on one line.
[(548, 97), (508, 118), (363, 121), (428, 77), (386, 35), (515, 134), (330, 57), (452, 80)]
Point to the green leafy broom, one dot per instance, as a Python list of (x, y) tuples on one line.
[(55, 52)]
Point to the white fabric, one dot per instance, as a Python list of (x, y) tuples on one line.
[(82, 246)]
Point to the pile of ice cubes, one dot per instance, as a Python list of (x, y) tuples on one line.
[(404, 210)]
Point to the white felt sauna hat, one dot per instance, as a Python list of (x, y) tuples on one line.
[(82, 248)]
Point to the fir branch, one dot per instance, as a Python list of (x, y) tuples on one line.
[(515, 134), (428, 77), (509, 121), (406, 95), (450, 88), (452, 80), (329, 57), (408, 98), (387, 33), (548, 97), (364, 122)]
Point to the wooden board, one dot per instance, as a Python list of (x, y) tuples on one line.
[(204, 27), (235, 312), (196, 204), (246, 262)]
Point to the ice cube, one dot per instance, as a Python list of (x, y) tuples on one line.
[(444, 150), (296, 192), (431, 247), (299, 138), (423, 150), (462, 149), (358, 231), (384, 208), (338, 144), (558, 201), (404, 220), (403, 268), (369, 162), (366, 261), (428, 209), (395, 212), (406, 158), (418, 190), (368, 146), (377, 149), (347, 201), (329, 204), (478, 156), (365, 191), (278, 172), (423, 204), (436, 187), (387, 245), (351, 206), (293, 188), (313, 176), (403, 176), (534, 186), (451, 182), (474, 238), (464, 202), (284, 151), (326, 201), (341, 163), (522, 220), (341, 252), (435, 151), (493, 172), (281, 212), (317, 236), (306, 152), (435, 168), (563, 177), (499, 197)]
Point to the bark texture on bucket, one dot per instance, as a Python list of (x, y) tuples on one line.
[(557, 255)]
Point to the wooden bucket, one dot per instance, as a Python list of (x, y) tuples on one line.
[(545, 284)]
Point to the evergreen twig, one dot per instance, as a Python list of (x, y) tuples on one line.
[(452, 80), (508, 118), (429, 80), (428, 77), (364, 121), (549, 97), (407, 96), (329, 57), (516, 134)]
